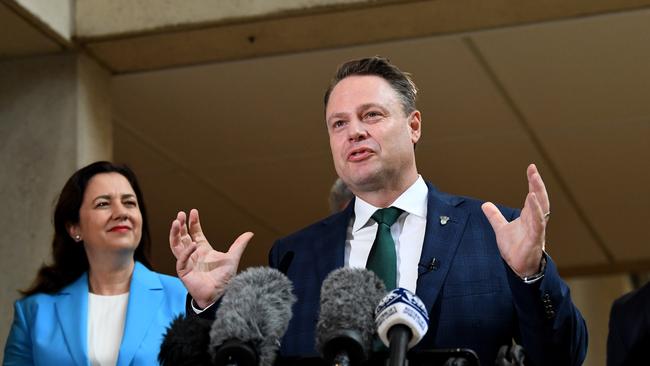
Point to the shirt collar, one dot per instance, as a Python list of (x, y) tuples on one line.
[(413, 201)]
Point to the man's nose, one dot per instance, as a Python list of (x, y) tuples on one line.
[(356, 130)]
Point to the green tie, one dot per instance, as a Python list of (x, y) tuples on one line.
[(382, 259)]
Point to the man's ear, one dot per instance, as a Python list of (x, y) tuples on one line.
[(415, 124)]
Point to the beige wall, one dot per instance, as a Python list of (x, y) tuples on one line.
[(52, 120), (594, 295)]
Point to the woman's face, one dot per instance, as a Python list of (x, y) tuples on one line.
[(109, 217)]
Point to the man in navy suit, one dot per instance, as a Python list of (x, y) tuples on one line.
[(480, 270), (628, 341)]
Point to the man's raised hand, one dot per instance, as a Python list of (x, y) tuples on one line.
[(521, 242), (205, 272)]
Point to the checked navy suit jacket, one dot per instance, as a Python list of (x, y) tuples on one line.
[(474, 300)]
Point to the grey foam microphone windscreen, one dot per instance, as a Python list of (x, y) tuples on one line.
[(348, 300), (255, 309)]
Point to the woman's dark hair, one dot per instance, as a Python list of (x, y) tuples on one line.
[(69, 257)]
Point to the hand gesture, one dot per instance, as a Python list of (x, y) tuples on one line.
[(521, 241), (204, 271)]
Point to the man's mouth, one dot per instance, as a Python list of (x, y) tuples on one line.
[(359, 154)]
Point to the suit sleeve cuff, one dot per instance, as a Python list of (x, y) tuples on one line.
[(208, 313), (196, 308)]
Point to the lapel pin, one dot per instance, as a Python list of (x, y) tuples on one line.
[(443, 220), (433, 266)]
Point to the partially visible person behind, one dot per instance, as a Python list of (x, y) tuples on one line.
[(628, 342), (340, 196), (99, 302)]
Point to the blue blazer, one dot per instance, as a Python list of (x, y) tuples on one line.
[(474, 300), (51, 329)]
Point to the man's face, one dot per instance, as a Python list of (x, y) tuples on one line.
[(371, 137)]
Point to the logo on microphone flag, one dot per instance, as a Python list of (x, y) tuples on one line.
[(401, 306)]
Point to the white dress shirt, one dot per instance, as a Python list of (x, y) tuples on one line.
[(407, 232)]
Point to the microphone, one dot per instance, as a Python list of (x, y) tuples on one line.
[(345, 328), (402, 321), (252, 318), (511, 355), (186, 342)]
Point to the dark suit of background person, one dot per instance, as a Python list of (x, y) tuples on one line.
[(99, 257), (628, 342), (474, 257)]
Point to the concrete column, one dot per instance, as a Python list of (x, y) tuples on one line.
[(54, 117), (93, 113)]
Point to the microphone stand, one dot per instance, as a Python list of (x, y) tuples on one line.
[(399, 336)]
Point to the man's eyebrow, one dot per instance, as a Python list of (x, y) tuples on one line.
[(371, 105), (360, 108), (336, 115)]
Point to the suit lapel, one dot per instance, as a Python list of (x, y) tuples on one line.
[(145, 297), (440, 242), (72, 314), (330, 245), (441, 239)]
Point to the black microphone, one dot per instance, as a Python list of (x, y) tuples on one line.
[(511, 355), (252, 318), (402, 321), (186, 342), (345, 328)]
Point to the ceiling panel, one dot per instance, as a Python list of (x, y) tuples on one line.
[(263, 110), (495, 169), (583, 87), (586, 71)]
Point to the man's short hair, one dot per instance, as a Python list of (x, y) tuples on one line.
[(399, 80)]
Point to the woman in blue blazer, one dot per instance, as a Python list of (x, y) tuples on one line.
[(98, 303)]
